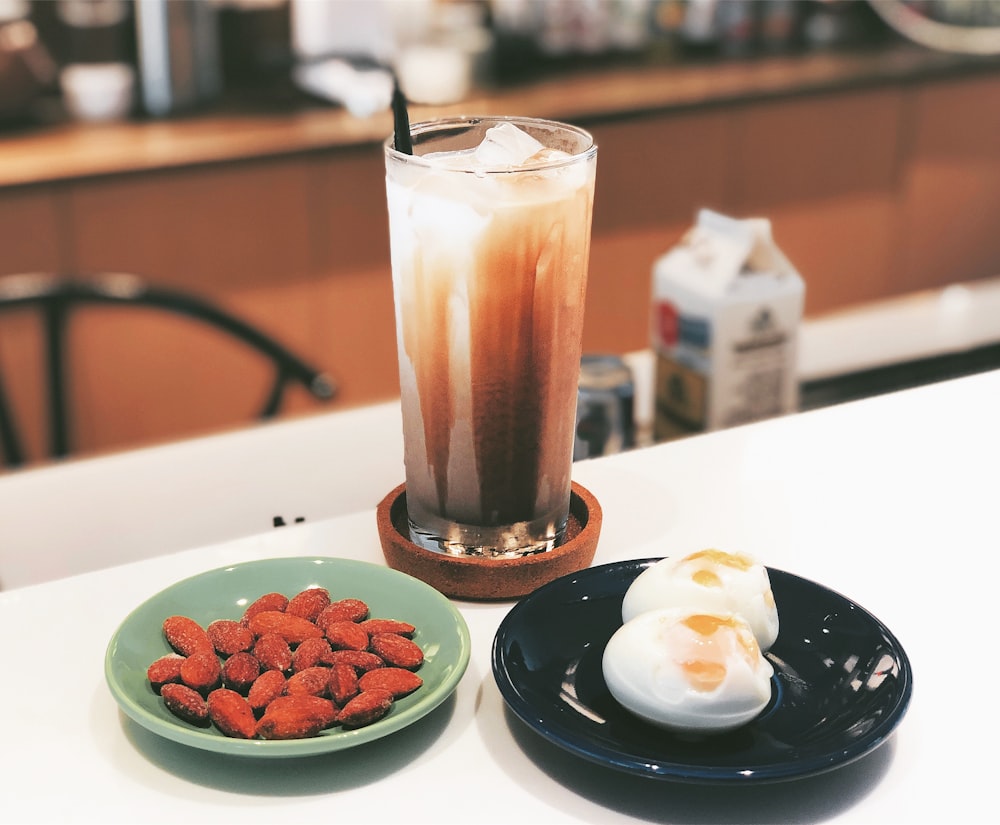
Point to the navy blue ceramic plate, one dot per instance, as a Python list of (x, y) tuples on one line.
[(842, 684)]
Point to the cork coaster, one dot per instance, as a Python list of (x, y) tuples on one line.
[(490, 579)]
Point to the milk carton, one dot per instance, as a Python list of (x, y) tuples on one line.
[(726, 310)]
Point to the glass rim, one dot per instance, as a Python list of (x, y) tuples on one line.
[(468, 121)]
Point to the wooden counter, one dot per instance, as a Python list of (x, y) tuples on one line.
[(880, 171)]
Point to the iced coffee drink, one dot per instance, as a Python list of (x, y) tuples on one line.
[(490, 233)]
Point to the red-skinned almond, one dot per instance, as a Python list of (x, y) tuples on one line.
[(397, 650), (367, 707), (309, 603), (397, 680), (293, 629), (231, 713), (185, 635), (185, 703)]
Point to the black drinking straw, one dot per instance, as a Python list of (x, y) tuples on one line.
[(401, 121)]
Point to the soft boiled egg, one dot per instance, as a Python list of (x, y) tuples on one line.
[(708, 580), (690, 672)]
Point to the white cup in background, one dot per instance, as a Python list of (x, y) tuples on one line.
[(98, 91), (434, 75)]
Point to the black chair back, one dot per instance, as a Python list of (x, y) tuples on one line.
[(57, 297)]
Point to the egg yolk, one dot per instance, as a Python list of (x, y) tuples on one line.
[(706, 578), (705, 672), (704, 676), (705, 625), (735, 560)]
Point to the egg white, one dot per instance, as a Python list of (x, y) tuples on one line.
[(644, 666), (742, 586)]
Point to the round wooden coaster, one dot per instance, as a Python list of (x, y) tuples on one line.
[(490, 579)]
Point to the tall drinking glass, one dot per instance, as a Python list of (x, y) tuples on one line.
[(489, 223)]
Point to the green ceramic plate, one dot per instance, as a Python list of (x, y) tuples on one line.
[(225, 592)]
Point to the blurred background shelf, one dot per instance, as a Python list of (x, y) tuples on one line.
[(245, 128), (900, 342)]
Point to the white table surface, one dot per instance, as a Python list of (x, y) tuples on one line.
[(890, 501), (84, 514)]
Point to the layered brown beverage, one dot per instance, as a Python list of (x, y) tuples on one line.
[(490, 235)]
